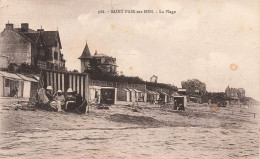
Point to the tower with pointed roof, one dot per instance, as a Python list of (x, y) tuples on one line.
[(84, 58), (104, 62)]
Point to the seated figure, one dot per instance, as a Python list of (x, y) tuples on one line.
[(70, 100)]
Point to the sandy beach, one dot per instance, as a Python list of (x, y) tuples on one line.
[(202, 131)]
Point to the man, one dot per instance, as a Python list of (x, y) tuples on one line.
[(16, 92), (70, 100), (176, 105), (181, 107), (60, 99), (78, 99), (52, 104), (49, 93)]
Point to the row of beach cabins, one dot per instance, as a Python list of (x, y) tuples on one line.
[(91, 90)]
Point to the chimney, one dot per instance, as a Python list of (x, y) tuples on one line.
[(24, 27), (9, 26), (40, 29)]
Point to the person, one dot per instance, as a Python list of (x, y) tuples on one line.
[(97, 96), (49, 93), (60, 99), (52, 103), (70, 100), (78, 99), (181, 107), (15, 92), (176, 105), (42, 98)]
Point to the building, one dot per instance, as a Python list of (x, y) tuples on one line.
[(26, 86), (104, 62), (195, 89), (153, 79), (235, 93), (36, 48)]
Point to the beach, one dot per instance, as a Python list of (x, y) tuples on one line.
[(202, 131)]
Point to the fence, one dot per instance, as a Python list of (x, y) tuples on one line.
[(63, 80)]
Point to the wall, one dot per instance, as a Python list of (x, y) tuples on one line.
[(122, 94), (27, 89), (1, 86), (15, 46), (3, 62)]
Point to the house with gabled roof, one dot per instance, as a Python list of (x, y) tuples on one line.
[(36, 48)]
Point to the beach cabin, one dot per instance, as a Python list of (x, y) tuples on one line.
[(30, 86), (180, 100), (8, 82), (150, 96), (164, 96), (62, 80), (94, 94), (108, 95), (26, 86), (139, 95), (123, 94), (132, 95)]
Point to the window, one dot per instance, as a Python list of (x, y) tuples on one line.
[(7, 83), (55, 55)]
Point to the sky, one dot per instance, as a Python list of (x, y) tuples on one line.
[(217, 42)]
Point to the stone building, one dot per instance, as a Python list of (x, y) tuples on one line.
[(104, 62), (36, 48), (235, 93)]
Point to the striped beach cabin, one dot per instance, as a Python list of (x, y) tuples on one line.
[(60, 80)]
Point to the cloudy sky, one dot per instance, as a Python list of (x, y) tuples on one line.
[(201, 40)]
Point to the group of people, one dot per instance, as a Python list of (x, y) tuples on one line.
[(58, 101), (178, 106)]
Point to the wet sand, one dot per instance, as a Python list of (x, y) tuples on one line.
[(151, 132)]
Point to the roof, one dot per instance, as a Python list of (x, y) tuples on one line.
[(100, 55), (49, 38), (27, 78), (33, 37), (29, 30), (163, 93), (179, 96), (95, 87), (108, 88), (137, 91), (175, 94), (131, 90), (86, 53), (181, 90), (10, 75), (36, 77), (151, 92), (127, 90)]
